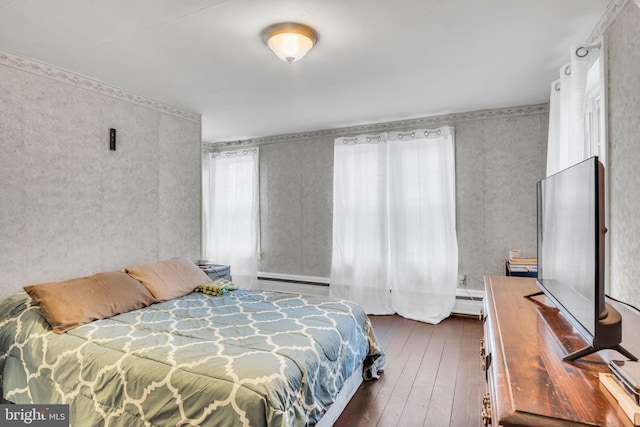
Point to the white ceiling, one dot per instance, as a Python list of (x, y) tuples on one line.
[(375, 60)]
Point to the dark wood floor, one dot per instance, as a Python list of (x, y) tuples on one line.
[(432, 376)]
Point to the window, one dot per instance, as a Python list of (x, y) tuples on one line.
[(394, 238), (231, 212)]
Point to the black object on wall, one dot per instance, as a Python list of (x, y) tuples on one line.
[(112, 139)]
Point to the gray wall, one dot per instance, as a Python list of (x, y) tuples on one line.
[(498, 162), (71, 207), (296, 180), (500, 154), (623, 47)]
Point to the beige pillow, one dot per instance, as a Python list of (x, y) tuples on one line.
[(169, 279), (66, 305)]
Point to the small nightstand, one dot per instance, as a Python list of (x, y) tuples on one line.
[(521, 271), (217, 271)]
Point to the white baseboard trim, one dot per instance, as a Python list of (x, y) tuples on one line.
[(468, 301)]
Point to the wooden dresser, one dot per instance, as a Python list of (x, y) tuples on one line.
[(528, 383)]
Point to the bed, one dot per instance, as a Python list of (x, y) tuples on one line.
[(244, 358)]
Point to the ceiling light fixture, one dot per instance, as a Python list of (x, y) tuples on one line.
[(290, 41)]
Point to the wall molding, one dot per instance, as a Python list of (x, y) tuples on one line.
[(432, 121), (65, 76), (613, 9)]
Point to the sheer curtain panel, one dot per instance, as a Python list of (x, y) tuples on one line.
[(360, 244), (577, 122), (231, 212), (571, 110), (394, 238), (423, 261)]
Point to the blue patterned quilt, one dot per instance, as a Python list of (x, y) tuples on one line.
[(244, 359)]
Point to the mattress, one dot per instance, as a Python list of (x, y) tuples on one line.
[(247, 358)]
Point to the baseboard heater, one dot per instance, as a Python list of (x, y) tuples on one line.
[(294, 284), (468, 301)]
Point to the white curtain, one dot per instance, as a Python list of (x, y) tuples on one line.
[(394, 236), (360, 244), (231, 212), (555, 159), (569, 137)]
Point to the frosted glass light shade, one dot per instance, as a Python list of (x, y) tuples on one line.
[(289, 41)]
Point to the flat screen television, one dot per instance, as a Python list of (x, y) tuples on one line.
[(571, 254)]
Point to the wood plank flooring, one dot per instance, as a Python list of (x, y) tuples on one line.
[(432, 376)]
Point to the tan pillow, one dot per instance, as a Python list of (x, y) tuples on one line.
[(66, 305), (169, 279)]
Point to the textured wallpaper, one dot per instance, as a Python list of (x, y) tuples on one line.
[(623, 45), (296, 191), (499, 159), (71, 207)]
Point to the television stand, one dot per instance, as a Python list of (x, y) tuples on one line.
[(528, 382), (535, 294), (592, 349), (613, 323)]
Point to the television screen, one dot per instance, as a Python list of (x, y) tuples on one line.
[(571, 263), (568, 240)]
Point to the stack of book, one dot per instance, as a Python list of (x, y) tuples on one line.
[(523, 265), (628, 403)]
